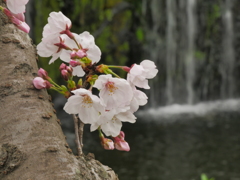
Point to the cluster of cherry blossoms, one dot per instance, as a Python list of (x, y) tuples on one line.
[(118, 98), (15, 11)]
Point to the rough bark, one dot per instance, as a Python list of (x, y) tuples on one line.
[(32, 145)]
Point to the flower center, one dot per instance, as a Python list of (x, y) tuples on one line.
[(87, 101), (111, 87)]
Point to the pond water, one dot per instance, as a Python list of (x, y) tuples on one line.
[(178, 142)]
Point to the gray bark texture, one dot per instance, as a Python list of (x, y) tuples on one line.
[(32, 144)]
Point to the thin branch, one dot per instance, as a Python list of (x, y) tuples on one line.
[(79, 147), (80, 131)]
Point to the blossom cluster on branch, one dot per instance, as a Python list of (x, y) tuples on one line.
[(117, 98)]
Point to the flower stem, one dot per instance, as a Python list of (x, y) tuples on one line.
[(109, 71), (55, 84), (124, 68), (79, 47), (111, 66)]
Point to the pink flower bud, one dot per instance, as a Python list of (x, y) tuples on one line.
[(78, 54), (19, 16), (48, 85), (73, 54), (42, 73), (107, 144), (81, 53), (69, 69), (23, 26), (74, 63), (39, 83), (125, 68), (64, 74), (62, 66), (119, 142), (121, 135), (20, 24), (121, 145)]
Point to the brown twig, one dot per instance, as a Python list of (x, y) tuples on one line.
[(80, 131), (78, 124), (77, 140)]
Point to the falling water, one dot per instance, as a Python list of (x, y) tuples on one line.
[(171, 48), (189, 61), (193, 44), (228, 60), (154, 43)]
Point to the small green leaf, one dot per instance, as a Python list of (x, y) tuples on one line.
[(204, 177)]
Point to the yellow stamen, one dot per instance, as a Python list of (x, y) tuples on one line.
[(87, 101), (111, 87)]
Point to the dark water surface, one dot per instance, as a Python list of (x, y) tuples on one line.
[(176, 144)]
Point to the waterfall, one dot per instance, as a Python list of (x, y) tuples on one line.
[(153, 46), (228, 57), (189, 59), (194, 47), (170, 49)]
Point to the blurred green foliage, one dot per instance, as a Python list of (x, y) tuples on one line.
[(114, 24), (213, 15), (204, 177)]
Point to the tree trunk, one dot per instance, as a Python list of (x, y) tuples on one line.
[(32, 144)]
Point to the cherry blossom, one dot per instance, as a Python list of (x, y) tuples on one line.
[(139, 99), (74, 63), (57, 24), (87, 45), (139, 74), (49, 48), (111, 121), (78, 71), (85, 104), (115, 92), (17, 6)]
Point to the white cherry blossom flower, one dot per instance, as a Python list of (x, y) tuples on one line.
[(17, 6), (78, 71), (114, 92), (139, 74), (87, 43), (111, 121), (85, 104), (48, 48), (57, 23), (139, 99)]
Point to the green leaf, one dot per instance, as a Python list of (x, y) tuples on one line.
[(204, 177)]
